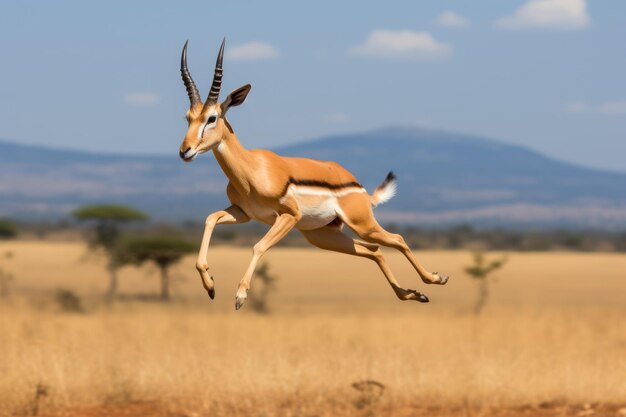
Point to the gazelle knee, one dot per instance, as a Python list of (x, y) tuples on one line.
[(258, 250), (202, 266), (371, 236), (376, 255), (400, 242), (212, 218)]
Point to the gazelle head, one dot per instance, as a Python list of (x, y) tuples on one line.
[(207, 119)]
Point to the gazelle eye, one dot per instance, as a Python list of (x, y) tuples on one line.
[(212, 118)]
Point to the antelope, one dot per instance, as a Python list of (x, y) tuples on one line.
[(316, 197)]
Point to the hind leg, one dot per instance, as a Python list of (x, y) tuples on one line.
[(376, 234), (358, 215), (331, 238)]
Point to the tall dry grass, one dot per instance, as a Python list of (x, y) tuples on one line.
[(303, 359), (243, 362)]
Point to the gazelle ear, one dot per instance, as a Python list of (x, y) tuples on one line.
[(235, 98)]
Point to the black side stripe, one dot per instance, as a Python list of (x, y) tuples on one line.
[(321, 184)]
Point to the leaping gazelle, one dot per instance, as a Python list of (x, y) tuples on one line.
[(315, 197)]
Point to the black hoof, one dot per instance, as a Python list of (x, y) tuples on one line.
[(443, 279), (414, 295), (239, 303), (212, 293)]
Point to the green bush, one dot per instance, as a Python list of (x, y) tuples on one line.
[(8, 229)]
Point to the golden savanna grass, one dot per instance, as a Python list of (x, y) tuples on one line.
[(553, 333)]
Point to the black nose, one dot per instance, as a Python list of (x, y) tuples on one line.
[(182, 154)]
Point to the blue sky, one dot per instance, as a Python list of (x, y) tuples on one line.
[(548, 74)]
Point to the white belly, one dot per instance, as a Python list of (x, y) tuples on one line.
[(316, 214), (318, 207)]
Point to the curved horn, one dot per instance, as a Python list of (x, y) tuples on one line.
[(217, 78), (192, 90)]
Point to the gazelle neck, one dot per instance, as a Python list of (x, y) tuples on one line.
[(235, 160)]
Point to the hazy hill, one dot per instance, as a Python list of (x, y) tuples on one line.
[(443, 177)]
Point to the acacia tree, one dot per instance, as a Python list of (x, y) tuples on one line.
[(8, 229), (163, 250), (480, 271), (108, 220)]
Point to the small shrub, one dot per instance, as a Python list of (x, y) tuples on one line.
[(370, 393), (6, 279), (69, 302), (480, 271), (121, 393), (41, 391), (258, 300)]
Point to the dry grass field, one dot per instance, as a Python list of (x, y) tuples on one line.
[(552, 340)]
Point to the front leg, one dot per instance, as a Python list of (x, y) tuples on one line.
[(232, 215), (283, 224)]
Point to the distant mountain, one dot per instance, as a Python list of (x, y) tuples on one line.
[(443, 178)]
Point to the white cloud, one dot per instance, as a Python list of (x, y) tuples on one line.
[(252, 51), (142, 99), (450, 19), (548, 14), (576, 107), (337, 117), (609, 107), (403, 44), (613, 107)]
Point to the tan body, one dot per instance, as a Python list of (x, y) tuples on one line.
[(260, 185), (315, 197)]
